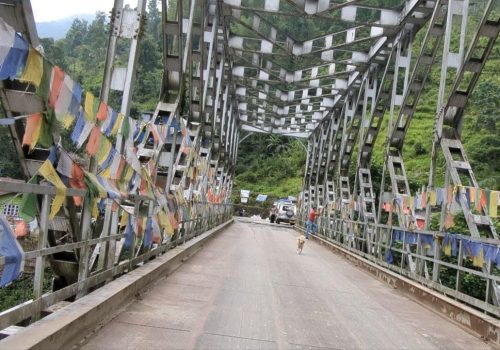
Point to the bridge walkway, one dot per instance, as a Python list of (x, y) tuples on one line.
[(248, 289)]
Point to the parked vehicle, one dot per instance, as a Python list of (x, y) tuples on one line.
[(286, 213)]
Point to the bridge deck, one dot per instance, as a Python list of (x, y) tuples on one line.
[(248, 289)]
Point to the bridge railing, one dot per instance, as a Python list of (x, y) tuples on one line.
[(105, 263), (464, 268)]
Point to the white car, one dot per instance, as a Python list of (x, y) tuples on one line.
[(286, 213)]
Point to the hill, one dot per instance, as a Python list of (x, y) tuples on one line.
[(58, 29)]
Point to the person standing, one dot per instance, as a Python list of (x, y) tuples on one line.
[(310, 223), (273, 214)]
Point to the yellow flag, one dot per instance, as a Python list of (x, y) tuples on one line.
[(124, 219), (180, 196), (68, 120), (95, 210), (493, 209), (106, 173), (129, 174), (33, 70), (433, 198), (89, 107), (103, 152), (165, 223), (447, 249), (49, 173), (118, 123), (478, 260), (472, 195)]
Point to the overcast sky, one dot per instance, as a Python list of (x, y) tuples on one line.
[(50, 10)]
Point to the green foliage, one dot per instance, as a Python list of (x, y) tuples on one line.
[(419, 149), (269, 164), (9, 161), (82, 54), (21, 290)]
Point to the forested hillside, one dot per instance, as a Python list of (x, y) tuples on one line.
[(270, 164)]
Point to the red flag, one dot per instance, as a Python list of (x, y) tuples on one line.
[(102, 113), (55, 86)]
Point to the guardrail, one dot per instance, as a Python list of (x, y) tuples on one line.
[(464, 268), (106, 262)]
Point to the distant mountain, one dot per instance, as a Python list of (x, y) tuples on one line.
[(57, 29)]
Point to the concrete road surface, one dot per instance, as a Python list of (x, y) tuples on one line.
[(248, 289)]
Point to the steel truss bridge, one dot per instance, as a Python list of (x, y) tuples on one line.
[(233, 66)]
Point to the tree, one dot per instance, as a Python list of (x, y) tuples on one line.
[(55, 51), (277, 144), (154, 21), (75, 36), (9, 161)]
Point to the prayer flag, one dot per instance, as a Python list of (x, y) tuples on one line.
[(493, 204), (118, 124), (433, 198), (13, 253), (129, 231), (55, 85), (50, 174), (102, 113), (85, 132), (125, 127), (43, 90), (15, 59), (29, 207), (76, 99), (67, 121), (148, 233), (104, 150), (32, 130), (89, 107), (77, 181), (124, 219), (101, 191), (108, 120), (33, 70), (93, 143), (64, 99), (8, 34), (472, 194), (49, 125)]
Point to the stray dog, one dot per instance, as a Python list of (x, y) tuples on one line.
[(301, 240)]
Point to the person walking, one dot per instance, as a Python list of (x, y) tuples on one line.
[(310, 223)]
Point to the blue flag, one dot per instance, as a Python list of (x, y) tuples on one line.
[(11, 250)]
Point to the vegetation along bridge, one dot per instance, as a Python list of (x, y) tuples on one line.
[(118, 153)]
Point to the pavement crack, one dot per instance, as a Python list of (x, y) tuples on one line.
[(238, 337), (158, 327)]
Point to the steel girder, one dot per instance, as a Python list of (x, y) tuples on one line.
[(288, 85), (196, 87)]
